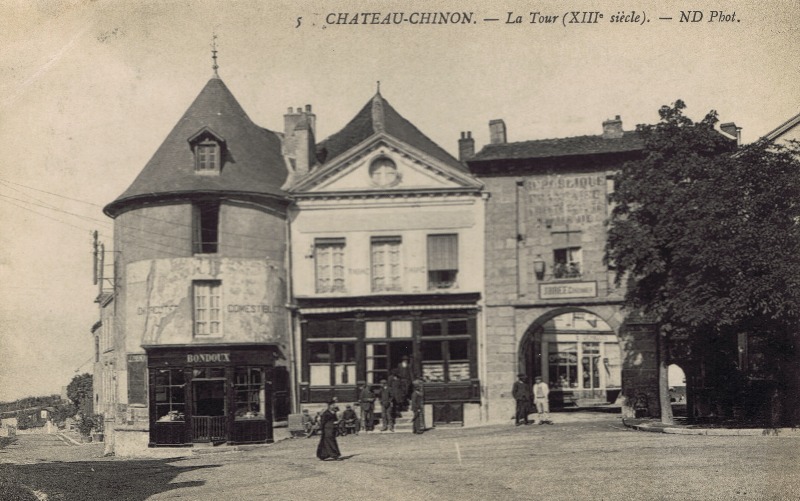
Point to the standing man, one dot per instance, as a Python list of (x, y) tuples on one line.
[(522, 394), (387, 404), (418, 407), (367, 399), (540, 395)]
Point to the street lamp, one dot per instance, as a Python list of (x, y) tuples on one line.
[(538, 268)]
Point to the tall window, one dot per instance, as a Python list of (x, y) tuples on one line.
[(567, 262), (207, 157), (386, 266), (248, 384), (442, 261), (445, 349), (207, 308), (206, 227), (329, 263), (170, 394)]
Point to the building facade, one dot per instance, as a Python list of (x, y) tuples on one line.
[(387, 265), (551, 306), (200, 326)]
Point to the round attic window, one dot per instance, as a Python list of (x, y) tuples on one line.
[(383, 172)]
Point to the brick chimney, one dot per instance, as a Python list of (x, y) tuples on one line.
[(298, 138), (497, 131), (466, 146), (732, 130), (612, 129)]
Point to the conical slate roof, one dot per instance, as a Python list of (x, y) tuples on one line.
[(378, 116), (252, 163)]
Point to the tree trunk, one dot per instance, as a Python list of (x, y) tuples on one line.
[(663, 381)]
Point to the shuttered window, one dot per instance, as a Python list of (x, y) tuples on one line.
[(442, 261)]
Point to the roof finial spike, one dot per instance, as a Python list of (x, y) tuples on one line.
[(215, 66), (379, 86)]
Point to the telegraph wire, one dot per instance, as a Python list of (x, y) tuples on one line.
[(49, 193), (45, 215), (135, 214)]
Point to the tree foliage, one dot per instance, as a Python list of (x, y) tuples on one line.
[(707, 236), (79, 391)]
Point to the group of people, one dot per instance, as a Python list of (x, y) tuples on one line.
[(529, 398), (396, 394)]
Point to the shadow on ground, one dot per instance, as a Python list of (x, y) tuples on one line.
[(93, 480)]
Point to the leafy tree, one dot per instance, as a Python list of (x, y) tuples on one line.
[(79, 391), (707, 237)]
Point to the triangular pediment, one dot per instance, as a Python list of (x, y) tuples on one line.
[(385, 164)]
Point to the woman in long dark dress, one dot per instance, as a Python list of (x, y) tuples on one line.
[(328, 448)]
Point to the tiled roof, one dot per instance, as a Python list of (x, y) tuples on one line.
[(378, 116), (252, 164), (560, 147)]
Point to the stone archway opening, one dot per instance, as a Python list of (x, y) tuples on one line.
[(577, 354), (676, 380)]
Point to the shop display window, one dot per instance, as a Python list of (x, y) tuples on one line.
[(563, 365), (170, 394), (250, 392), (332, 363)]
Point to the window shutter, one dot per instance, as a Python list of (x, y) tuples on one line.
[(442, 252)]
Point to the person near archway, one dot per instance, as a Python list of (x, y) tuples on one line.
[(541, 394), (522, 394)]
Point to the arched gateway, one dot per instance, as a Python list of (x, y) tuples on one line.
[(577, 353)]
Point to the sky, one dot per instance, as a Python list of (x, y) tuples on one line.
[(90, 89)]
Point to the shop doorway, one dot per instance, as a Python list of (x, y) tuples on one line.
[(383, 357), (209, 416)]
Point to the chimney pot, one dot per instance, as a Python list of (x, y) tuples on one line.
[(466, 146), (289, 111), (308, 108)]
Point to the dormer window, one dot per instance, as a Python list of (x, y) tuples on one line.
[(208, 148), (207, 157)]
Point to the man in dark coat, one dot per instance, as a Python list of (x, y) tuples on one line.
[(367, 400), (418, 407), (387, 404), (522, 394), (328, 448), (399, 392)]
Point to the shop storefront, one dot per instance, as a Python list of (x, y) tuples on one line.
[(213, 394), (344, 348)]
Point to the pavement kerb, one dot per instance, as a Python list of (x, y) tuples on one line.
[(716, 432), (68, 438)]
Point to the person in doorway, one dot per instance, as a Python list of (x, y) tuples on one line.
[(522, 394), (367, 400), (541, 394), (406, 375), (418, 407), (328, 448), (387, 404), (399, 392)]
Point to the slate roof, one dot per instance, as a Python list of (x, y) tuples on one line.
[(560, 147), (378, 116), (252, 164)]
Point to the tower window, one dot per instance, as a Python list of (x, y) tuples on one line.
[(206, 227)]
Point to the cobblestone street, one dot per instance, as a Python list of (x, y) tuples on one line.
[(589, 457)]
